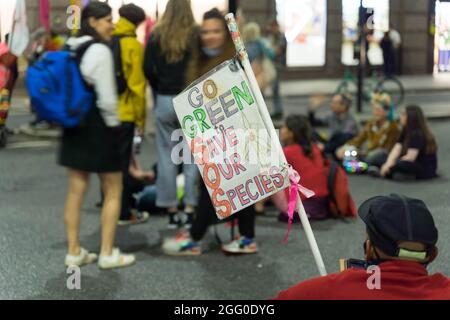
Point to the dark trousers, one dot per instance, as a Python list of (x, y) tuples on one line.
[(337, 140), (407, 169), (126, 148), (206, 216)]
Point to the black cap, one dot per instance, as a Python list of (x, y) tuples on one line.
[(395, 218), (133, 13)]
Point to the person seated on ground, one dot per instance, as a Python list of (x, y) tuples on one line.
[(401, 242), (414, 155), (343, 125), (306, 158), (140, 179), (380, 133)]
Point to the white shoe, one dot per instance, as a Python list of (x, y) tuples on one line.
[(82, 259), (116, 260)]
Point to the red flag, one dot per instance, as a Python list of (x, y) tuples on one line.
[(44, 6)]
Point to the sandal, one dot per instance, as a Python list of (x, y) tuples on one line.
[(116, 260), (82, 259)]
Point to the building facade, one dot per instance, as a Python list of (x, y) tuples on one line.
[(414, 20)]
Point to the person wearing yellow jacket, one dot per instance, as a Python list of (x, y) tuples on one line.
[(132, 101)]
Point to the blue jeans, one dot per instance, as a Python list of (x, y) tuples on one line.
[(166, 123)]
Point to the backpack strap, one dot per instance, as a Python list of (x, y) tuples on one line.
[(81, 49)]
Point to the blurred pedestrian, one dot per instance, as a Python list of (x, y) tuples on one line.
[(279, 44), (260, 55), (93, 146), (215, 47), (132, 111), (166, 60)]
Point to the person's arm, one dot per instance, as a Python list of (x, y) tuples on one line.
[(149, 62), (411, 155), (136, 84), (316, 102), (392, 159), (97, 67)]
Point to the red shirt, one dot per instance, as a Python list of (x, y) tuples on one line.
[(313, 172), (405, 280)]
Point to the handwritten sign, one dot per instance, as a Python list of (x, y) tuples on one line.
[(230, 144)]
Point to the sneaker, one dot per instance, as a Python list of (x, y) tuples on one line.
[(82, 259), (240, 246), (174, 221), (135, 218), (181, 245), (116, 260)]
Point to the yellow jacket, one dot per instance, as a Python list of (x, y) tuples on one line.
[(132, 101)]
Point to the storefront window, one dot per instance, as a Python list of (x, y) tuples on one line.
[(379, 22), (442, 38), (304, 23), (6, 18), (152, 6), (155, 8)]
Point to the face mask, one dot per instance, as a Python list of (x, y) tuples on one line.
[(211, 52)]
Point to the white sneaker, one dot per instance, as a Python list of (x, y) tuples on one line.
[(82, 259), (116, 260)]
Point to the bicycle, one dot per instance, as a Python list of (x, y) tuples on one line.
[(374, 85)]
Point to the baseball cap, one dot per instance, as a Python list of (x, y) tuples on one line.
[(396, 218)]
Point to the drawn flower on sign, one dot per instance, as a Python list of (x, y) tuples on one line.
[(257, 143)]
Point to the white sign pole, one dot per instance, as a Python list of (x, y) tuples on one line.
[(243, 57)]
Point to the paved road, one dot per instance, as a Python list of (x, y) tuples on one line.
[(32, 240)]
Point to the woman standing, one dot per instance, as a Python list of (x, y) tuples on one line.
[(414, 155), (215, 47), (92, 147), (166, 59)]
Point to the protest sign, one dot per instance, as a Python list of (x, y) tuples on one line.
[(238, 161)]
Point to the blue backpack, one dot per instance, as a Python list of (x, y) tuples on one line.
[(57, 89)]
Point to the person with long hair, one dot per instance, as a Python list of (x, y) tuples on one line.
[(92, 147), (414, 155), (166, 59), (306, 158), (215, 47)]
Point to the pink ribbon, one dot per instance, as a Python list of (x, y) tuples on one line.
[(295, 187)]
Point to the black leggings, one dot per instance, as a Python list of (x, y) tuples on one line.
[(409, 168), (206, 216), (126, 148)]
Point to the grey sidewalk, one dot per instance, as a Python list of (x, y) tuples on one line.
[(412, 84)]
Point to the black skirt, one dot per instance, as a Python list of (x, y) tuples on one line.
[(91, 147)]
